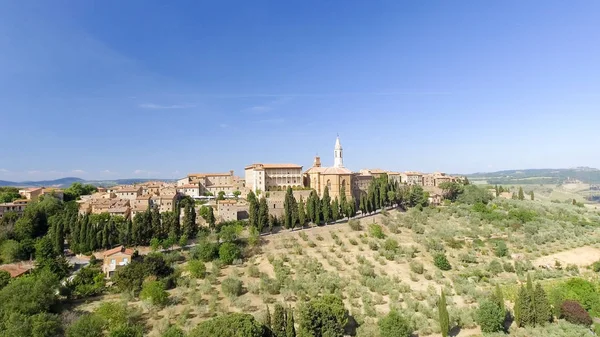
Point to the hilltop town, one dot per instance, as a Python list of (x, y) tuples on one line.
[(226, 193)]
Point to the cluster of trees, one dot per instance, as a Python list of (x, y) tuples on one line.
[(382, 193), (9, 194), (76, 190), (282, 322), (532, 306)]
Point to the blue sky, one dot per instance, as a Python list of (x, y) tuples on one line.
[(119, 89)]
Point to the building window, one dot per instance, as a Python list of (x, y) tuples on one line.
[(112, 261)]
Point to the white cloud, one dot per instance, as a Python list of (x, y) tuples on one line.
[(146, 172), (158, 106), (78, 171), (108, 172), (3, 170), (34, 172)]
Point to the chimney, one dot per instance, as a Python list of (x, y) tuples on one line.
[(231, 172), (317, 162)]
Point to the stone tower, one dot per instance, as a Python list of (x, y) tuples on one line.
[(338, 156)]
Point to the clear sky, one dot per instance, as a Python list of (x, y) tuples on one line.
[(141, 88)]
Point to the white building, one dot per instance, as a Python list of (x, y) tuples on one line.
[(266, 177)]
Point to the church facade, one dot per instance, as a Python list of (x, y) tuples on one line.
[(336, 178)]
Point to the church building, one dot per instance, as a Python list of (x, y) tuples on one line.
[(335, 178)]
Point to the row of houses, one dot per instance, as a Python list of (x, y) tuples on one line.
[(28, 195)]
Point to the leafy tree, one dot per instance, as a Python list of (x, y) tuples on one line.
[(155, 244), (526, 308), (221, 195), (268, 319), (521, 195), (451, 190), (189, 221), (229, 252), (440, 261), (4, 278), (350, 208), (490, 316), (444, 318), (343, 201), (206, 251), (253, 210), (394, 325), (87, 325), (237, 194), (154, 292), (323, 317), (473, 194), (230, 232), (499, 297), (501, 249), (229, 325), (531, 195), (89, 281), (9, 194)]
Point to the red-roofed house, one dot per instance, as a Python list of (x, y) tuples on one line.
[(116, 258)]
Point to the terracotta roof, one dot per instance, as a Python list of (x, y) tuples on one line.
[(329, 170), (227, 202), (270, 166), (119, 249), (128, 189), (144, 197), (16, 270), (117, 210), (209, 174), (188, 186)]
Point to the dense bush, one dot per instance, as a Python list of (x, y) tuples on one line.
[(229, 252), (131, 277), (324, 316), (440, 261), (394, 325), (4, 278), (173, 331), (416, 267), (126, 331), (355, 225), (206, 251), (88, 281), (376, 231), (573, 312), (86, 326), (501, 249), (154, 292), (197, 268), (230, 325), (232, 287), (490, 316)]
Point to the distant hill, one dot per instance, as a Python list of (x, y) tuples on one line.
[(539, 176), (68, 181)]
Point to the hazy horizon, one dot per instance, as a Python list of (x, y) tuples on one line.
[(97, 91)]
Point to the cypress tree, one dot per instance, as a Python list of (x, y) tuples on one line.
[(335, 210), (310, 211), (362, 206), (543, 312), (290, 329), (499, 297), (518, 306), (326, 206), (521, 195), (532, 195), (263, 214), (287, 208), (155, 223), (444, 318), (268, 318), (128, 229), (301, 213), (343, 201), (279, 321), (212, 221), (294, 209)]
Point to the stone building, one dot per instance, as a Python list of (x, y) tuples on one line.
[(268, 177), (335, 178), (210, 182)]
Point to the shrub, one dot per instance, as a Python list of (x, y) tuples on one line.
[(373, 245), (229, 252), (323, 316), (154, 292), (596, 266), (232, 287), (391, 245), (490, 316), (501, 249), (355, 225), (127, 331), (253, 271), (441, 262), (417, 267), (376, 231), (508, 267), (197, 268), (394, 325), (574, 313), (206, 251), (495, 267), (229, 325), (173, 331), (4, 278), (86, 326)]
